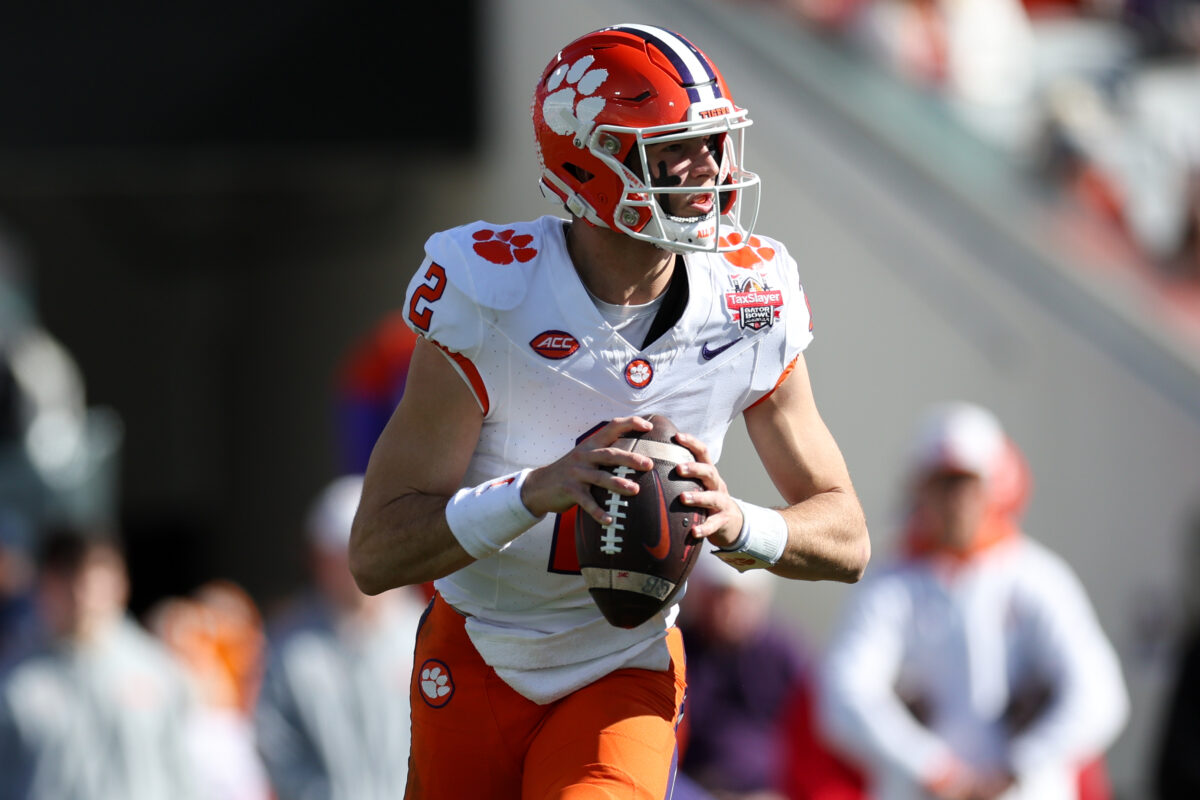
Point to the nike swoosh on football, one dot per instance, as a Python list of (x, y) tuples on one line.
[(662, 548), (709, 354)]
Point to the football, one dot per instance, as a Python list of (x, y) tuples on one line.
[(635, 566)]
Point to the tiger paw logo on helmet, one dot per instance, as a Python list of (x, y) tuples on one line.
[(503, 247), (562, 113), (752, 254)]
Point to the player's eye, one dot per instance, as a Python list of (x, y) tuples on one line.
[(667, 148)]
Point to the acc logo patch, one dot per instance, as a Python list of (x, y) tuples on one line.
[(554, 344), (435, 683), (639, 373), (753, 305)]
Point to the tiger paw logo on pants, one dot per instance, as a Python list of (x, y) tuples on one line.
[(435, 683)]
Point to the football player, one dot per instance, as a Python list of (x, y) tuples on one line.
[(542, 344), (972, 666)]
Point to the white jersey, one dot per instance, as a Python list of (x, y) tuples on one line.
[(505, 302), (967, 640)]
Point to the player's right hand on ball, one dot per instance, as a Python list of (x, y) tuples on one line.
[(565, 483)]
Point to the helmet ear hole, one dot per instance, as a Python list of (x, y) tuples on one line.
[(577, 172)]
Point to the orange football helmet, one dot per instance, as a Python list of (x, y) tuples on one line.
[(608, 94)]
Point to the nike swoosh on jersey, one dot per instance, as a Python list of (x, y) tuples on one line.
[(710, 354)]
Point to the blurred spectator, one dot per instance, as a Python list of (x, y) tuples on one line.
[(994, 63), (814, 769), (55, 453), (1105, 94), (98, 708), (370, 384), (217, 634), (1176, 769), (333, 717), (1136, 148), (977, 56), (745, 673), (18, 616), (974, 666), (741, 669), (57, 456)]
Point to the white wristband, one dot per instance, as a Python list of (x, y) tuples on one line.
[(762, 541), (489, 516)]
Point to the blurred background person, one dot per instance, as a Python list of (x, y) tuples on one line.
[(1176, 767), (58, 456), (1130, 140), (217, 633), (370, 381), (1098, 97), (371, 378), (741, 669), (98, 708), (18, 614), (973, 666), (332, 718), (749, 684)]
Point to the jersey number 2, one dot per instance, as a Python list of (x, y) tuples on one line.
[(427, 293)]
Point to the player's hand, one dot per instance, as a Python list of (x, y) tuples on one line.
[(992, 787), (724, 522), (960, 786), (968, 784), (567, 482)]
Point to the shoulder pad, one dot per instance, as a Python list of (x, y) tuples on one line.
[(488, 263), (764, 259)]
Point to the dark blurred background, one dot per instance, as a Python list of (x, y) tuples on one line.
[(196, 190)]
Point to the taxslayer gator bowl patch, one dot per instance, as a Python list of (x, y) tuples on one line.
[(754, 305)]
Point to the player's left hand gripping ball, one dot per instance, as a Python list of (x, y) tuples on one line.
[(636, 565)]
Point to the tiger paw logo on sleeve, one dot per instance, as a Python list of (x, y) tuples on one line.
[(503, 247), (754, 252)]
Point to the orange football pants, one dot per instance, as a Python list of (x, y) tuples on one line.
[(474, 737)]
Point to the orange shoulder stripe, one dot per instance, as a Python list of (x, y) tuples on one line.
[(786, 371), (473, 377)]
